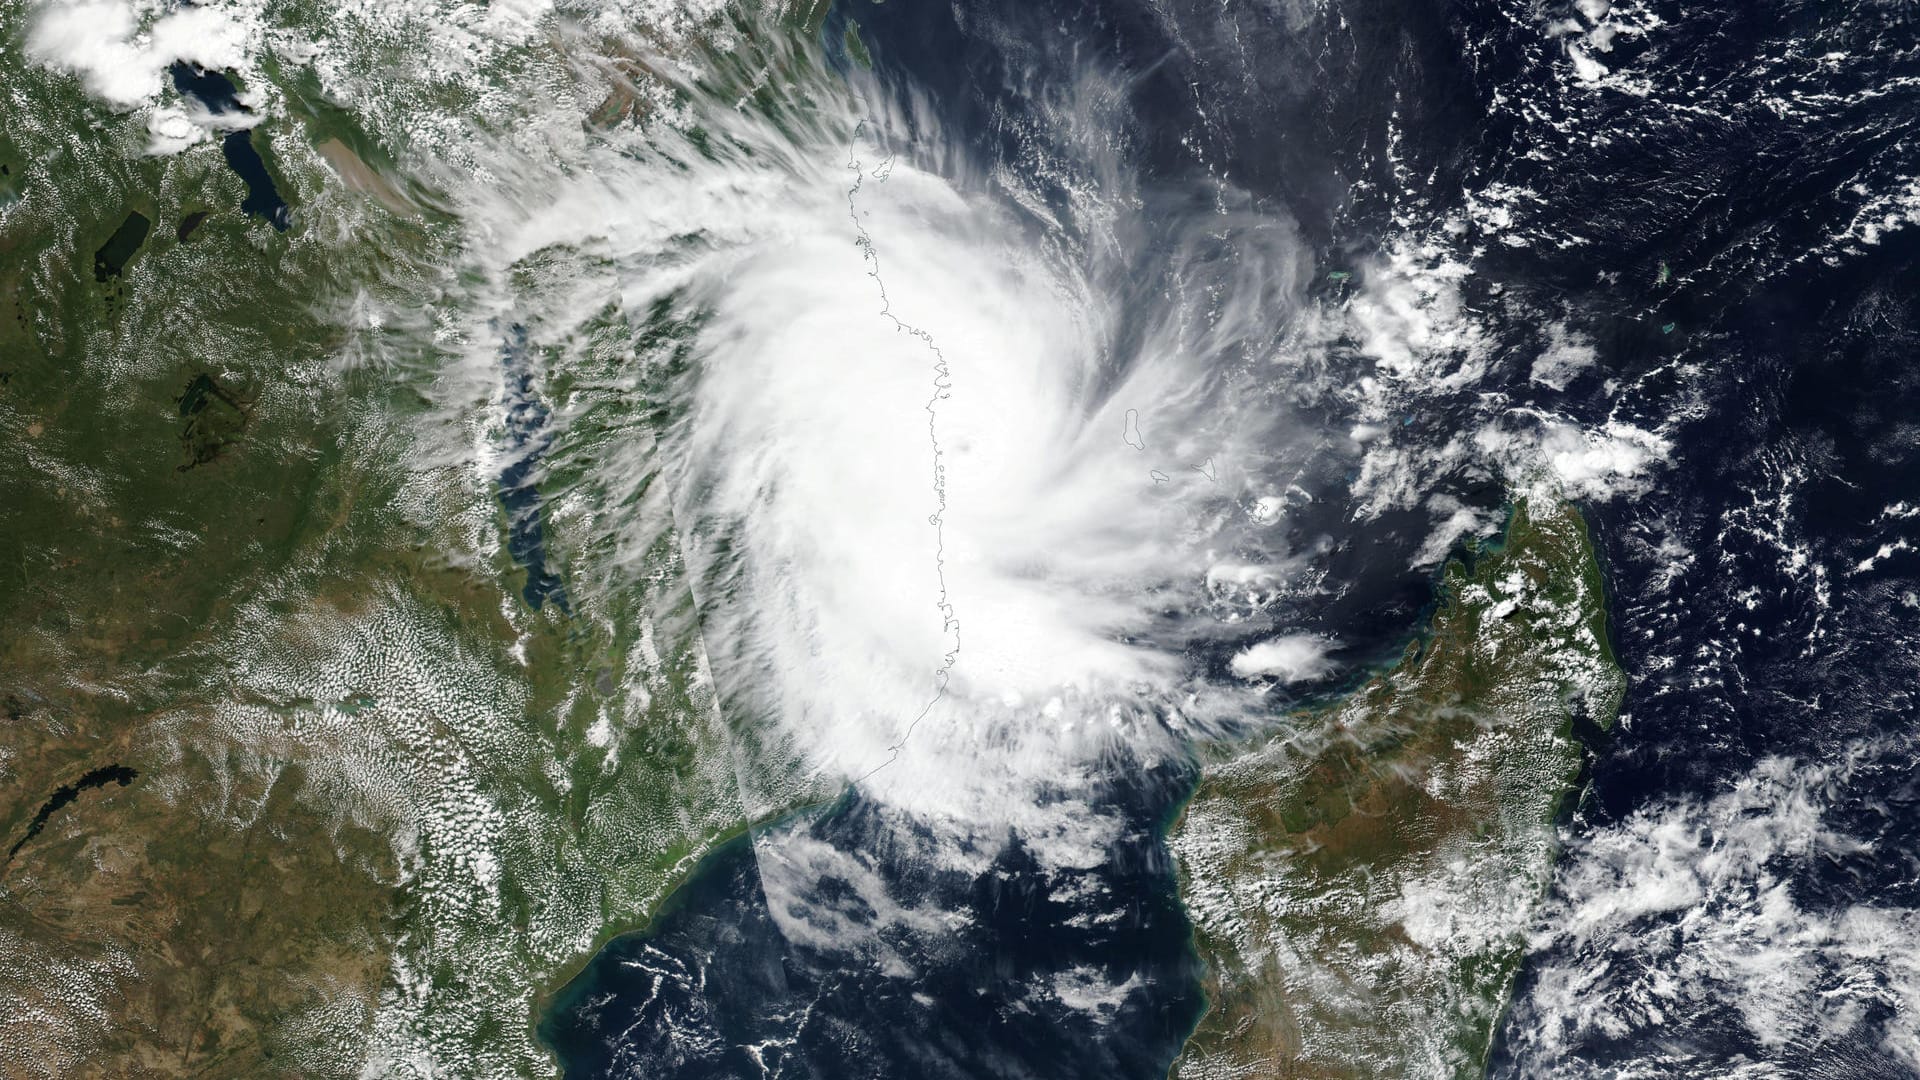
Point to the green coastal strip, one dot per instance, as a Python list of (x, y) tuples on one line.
[(1360, 880)]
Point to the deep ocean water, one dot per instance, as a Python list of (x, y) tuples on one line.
[(1680, 225)]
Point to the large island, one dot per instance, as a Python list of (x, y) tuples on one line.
[(1360, 880)]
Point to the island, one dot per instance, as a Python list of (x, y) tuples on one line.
[(1362, 877)]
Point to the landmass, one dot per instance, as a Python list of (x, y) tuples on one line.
[(1360, 880), (294, 780)]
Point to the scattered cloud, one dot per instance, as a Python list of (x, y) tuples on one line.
[(1568, 353), (1691, 910)]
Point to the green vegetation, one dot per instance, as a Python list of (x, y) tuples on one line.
[(856, 48), (378, 807), (1359, 881)]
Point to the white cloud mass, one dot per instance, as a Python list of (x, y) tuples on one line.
[(121, 50), (1293, 658)]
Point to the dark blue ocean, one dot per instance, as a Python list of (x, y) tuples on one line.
[(1719, 213), (716, 989)]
